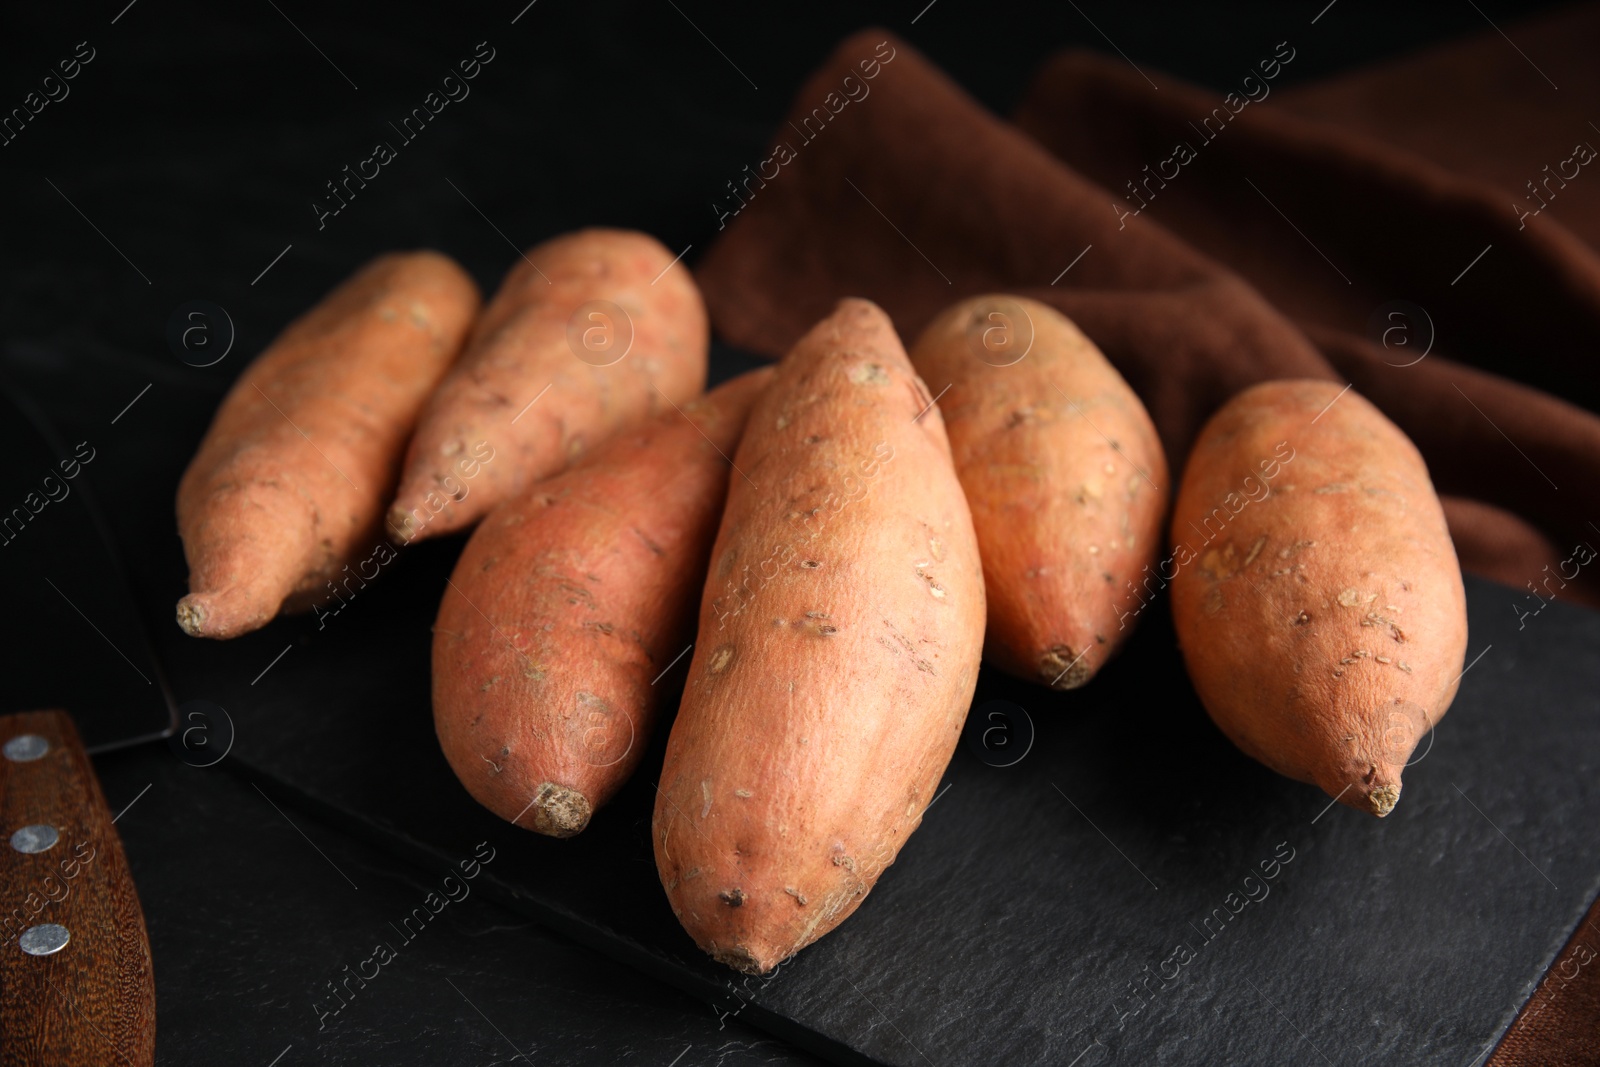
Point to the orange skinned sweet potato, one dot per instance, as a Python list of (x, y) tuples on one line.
[(1065, 476), (1317, 597), (589, 332), (291, 479), (840, 635), (567, 604)]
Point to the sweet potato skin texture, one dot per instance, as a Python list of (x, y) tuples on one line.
[(840, 635), (524, 342), (1322, 617), (290, 481), (566, 605), (1065, 475)]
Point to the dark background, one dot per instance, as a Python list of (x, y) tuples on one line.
[(199, 136), (195, 143)]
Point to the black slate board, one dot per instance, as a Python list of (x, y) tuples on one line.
[(250, 921), (1029, 920)]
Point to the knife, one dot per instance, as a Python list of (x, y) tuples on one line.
[(81, 677)]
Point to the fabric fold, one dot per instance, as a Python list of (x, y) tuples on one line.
[(1265, 254)]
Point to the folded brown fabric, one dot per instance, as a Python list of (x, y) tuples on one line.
[(1331, 226), (1506, 111), (1207, 241), (914, 197), (900, 188)]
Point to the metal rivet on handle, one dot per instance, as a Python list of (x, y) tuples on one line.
[(25, 747), (36, 838), (44, 939)]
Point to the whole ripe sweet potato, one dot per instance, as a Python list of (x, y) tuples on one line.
[(1317, 596), (1065, 476), (589, 331), (291, 479), (569, 602), (840, 634)]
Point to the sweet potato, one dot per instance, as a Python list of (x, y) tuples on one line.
[(1065, 476), (569, 602), (291, 479), (1317, 597), (589, 332), (840, 634)]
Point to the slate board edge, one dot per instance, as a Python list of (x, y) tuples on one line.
[(1531, 990), (607, 942)]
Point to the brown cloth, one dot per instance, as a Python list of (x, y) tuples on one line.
[(913, 196), (1273, 244)]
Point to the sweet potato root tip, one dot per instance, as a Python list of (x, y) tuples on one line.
[(1383, 799), (741, 959), (1062, 668), (192, 615), (226, 613), (557, 811), (401, 524)]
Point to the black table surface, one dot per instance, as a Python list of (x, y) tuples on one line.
[(259, 915), (184, 165)]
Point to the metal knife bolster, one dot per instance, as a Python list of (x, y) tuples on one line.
[(76, 983)]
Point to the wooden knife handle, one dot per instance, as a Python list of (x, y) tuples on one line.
[(93, 1000)]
